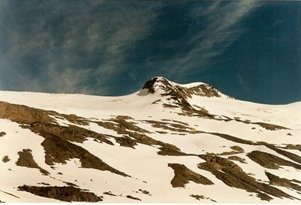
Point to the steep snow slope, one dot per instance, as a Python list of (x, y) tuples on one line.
[(165, 143)]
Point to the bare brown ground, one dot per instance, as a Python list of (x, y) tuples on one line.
[(268, 126), (270, 161), (57, 147), (75, 119), (71, 133), (232, 175), (134, 135), (132, 197), (58, 150), (162, 132), (24, 114), (123, 123), (281, 151), (175, 127), (183, 175), (2, 134), (126, 141), (198, 197), (26, 160), (294, 146), (237, 149), (278, 181), (144, 192), (109, 193), (232, 138), (287, 154), (236, 158), (5, 159), (67, 193), (264, 125), (40, 122)]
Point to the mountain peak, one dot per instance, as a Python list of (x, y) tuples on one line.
[(181, 95), (156, 83), (185, 91)]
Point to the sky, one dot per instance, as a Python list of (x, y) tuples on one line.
[(250, 50)]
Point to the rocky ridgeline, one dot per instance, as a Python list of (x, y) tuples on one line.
[(175, 90)]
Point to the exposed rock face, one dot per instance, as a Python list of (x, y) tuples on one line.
[(278, 181), (175, 90), (57, 147), (183, 175), (68, 194), (178, 95), (5, 159), (132, 197), (199, 197), (271, 161), (26, 160), (59, 151), (23, 114), (233, 175)]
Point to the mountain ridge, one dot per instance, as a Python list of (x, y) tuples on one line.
[(170, 143), (197, 88)]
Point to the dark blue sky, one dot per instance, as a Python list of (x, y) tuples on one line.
[(247, 49)]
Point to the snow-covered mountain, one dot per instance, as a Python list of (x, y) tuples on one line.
[(165, 143)]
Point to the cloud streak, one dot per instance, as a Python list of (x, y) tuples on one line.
[(242, 83), (219, 23), (62, 45), (87, 46)]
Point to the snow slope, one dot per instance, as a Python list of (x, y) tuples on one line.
[(155, 145)]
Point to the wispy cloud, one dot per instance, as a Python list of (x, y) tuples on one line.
[(219, 26), (242, 83), (82, 46), (62, 45)]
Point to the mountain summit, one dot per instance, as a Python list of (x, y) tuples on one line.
[(165, 143), (183, 96), (185, 91)]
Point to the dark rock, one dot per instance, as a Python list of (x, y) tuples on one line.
[(183, 175), (67, 193), (5, 159), (134, 198), (26, 160)]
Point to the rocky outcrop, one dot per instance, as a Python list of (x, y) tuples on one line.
[(234, 176), (178, 96), (26, 160), (183, 175), (67, 193), (175, 90)]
